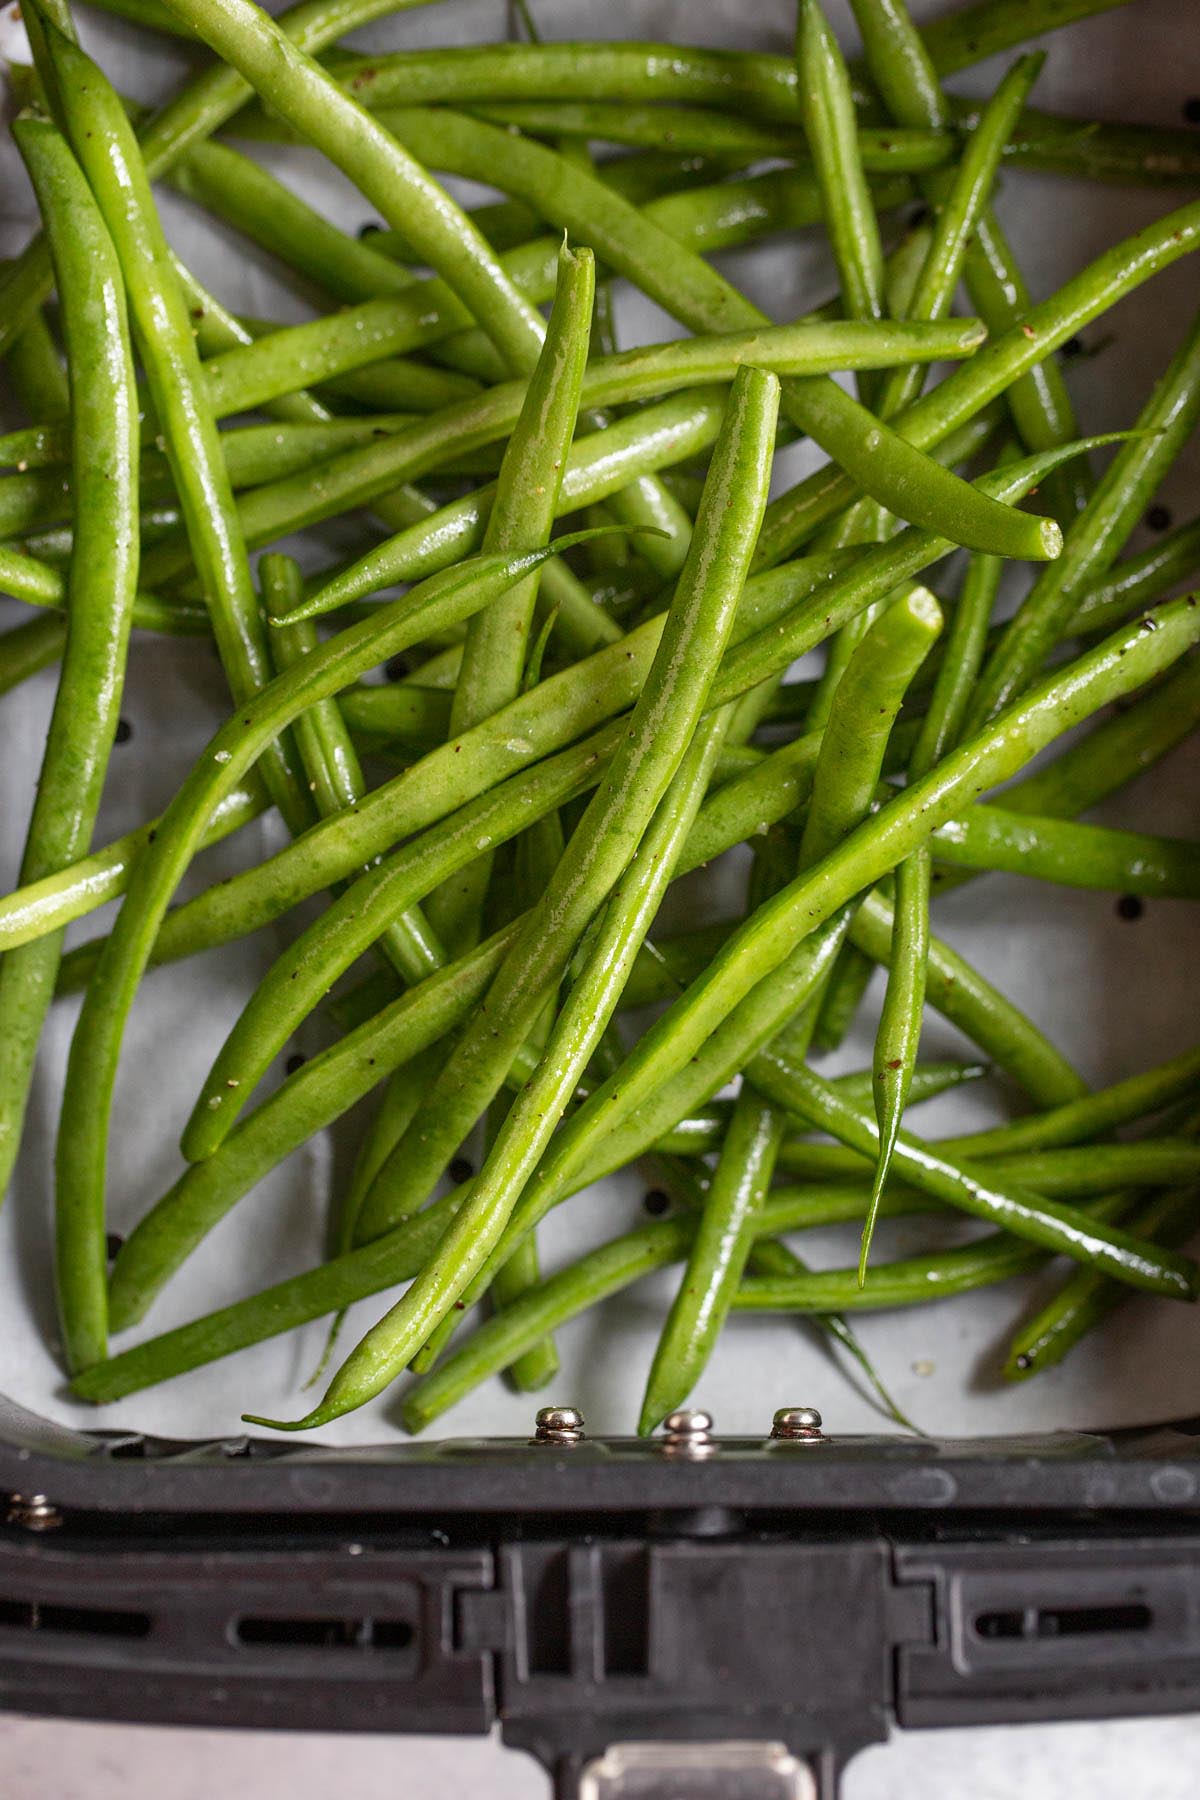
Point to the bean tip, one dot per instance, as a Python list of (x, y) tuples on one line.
[(972, 335), (1052, 539)]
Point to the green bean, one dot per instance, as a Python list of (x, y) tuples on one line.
[(1086, 1298), (630, 243), (898, 1034), (703, 1132), (986, 27), (27, 578), (108, 154), (1092, 1115), (771, 631), (854, 741), (101, 582), (707, 132), (1062, 1173), (148, 13), (259, 206), (751, 963), (217, 331), (862, 714), (323, 1089), (1139, 581), (827, 110), (96, 1046), (520, 518), (331, 762), (401, 1095), (623, 1260), (39, 907), (1028, 1215), (360, 474), (716, 1257), (1163, 426), (27, 649), (964, 997), (597, 856), (403, 711), (748, 83), (1119, 748), (36, 373), (1038, 401), (1085, 856), (794, 516), (966, 643), (963, 197)]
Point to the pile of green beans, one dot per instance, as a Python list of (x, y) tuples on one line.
[(528, 676)]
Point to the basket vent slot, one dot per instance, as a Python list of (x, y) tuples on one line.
[(86, 1621), (1063, 1621), (325, 1633)]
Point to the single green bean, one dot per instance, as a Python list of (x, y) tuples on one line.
[(101, 583), (1092, 1115), (830, 127), (108, 153), (257, 204), (1073, 1172), (36, 373)]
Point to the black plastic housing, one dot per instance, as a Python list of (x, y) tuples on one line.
[(811, 1594)]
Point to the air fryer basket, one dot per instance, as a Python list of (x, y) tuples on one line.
[(804, 1594)]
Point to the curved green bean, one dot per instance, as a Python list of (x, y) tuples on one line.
[(108, 154), (101, 582)]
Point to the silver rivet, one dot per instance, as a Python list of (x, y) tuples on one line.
[(798, 1424), (33, 1511), (558, 1425), (687, 1433)]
